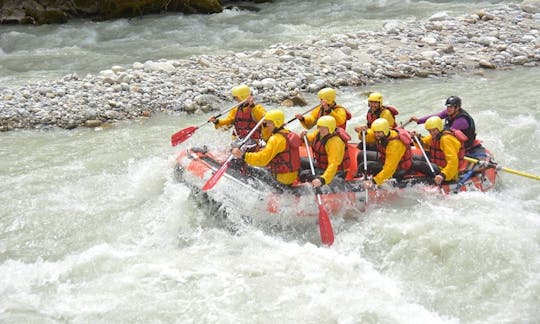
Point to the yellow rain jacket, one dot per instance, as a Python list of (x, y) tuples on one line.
[(274, 145), (450, 146), (386, 114), (394, 152), (335, 151), (338, 112), (257, 113)]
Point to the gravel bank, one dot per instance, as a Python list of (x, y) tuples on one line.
[(439, 46)]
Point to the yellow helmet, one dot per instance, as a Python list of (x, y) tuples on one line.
[(328, 122), (381, 125), (376, 97), (434, 122), (276, 116), (328, 95), (241, 92)]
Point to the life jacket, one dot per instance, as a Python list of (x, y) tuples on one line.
[(402, 135), (333, 107), (377, 114), (469, 132), (244, 122), (289, 159), (319, 150), (437, 155)]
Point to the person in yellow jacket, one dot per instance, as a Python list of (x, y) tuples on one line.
[(243, 117), (281, 155), (329, 145), (393, 150), (445, 150), (328, 106), (376, 109)]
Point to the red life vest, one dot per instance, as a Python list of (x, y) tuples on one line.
[(333, 107), (437, 155), (244, 122), (377, 114), (289, 159), (406, 160), (319, 150)]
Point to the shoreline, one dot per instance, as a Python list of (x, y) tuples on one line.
[(440, 46)]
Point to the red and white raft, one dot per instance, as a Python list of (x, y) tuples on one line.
[(253, 191)]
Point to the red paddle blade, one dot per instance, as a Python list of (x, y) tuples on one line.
[(182, 135), (216, 176), (325, 227)]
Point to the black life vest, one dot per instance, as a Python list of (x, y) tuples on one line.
[(469, 132)]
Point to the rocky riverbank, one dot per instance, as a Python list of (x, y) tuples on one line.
[(439, 46)]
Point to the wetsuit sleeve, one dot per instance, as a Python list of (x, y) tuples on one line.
[(394, 152)]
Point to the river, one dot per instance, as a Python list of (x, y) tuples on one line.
[(95, 228)]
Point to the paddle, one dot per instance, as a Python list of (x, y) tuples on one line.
[(305, 112), (365, 160), (407, 123), (464, 179), (424, 153), (427, 159), (498, 167), (325, 226), (216, 176), (184, 134)]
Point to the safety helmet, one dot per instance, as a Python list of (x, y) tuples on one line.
[(381, 125), (276, 116), (328, 122), (453, 101), (241, 92), (328, 95), (434, 122), (376, 97)]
